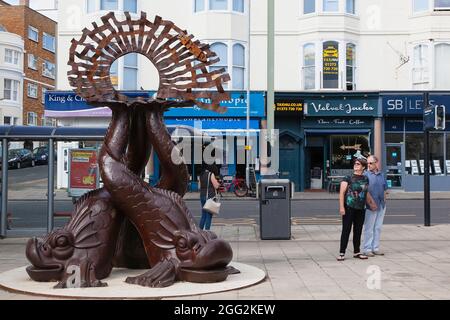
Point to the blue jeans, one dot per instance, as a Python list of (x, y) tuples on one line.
[(205, 221), (372, 229)]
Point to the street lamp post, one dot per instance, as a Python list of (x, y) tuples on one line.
[(248, 150)]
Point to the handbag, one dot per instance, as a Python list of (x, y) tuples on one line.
[(212, 205)]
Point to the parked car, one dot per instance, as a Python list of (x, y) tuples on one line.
[(18, 158), (41, 155)]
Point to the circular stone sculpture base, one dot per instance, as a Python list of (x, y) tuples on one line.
[(18, 281)]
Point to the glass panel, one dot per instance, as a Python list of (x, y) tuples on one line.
[(238, 55), (199, 5), (90, 6), (437, 153), (49, 42), (344, 149), (414, 152), (420, 5), (394, 166), (218, 4), (447, 160), (131, 60), (310, 77), (330, 56), (221, 50), (350, 6), (442, 52), (130, 5), (309, 6), (393, 138), (238, 5), (444, 4), (238, 78), (330, 5), (33, 34), (309, 70), (130, 79), (109, 5)]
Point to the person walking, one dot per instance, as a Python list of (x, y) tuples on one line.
[(375, 215), (352, 202), (208, 187)]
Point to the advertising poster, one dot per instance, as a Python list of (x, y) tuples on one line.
[(330, 65), (83, 169)]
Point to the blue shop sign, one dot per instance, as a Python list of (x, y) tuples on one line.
[(331, 122), (338, 106), (411, 105), (213, 123), (68, 103)]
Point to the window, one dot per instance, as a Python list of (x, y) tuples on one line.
[(330, 5), (32, 61), (309, 66), (114, 74), (238, 66), (350, 6), (130, 6), (442, 66), (350, 67), (44, 90), (342, 158), (420, 64), (12, 56), (32, 90), (441, 4), (32, 118), (330, 69), (420, 5), (48, 69), (2, 28), (48, 42), (90, 6), (7, 121), (33, 33), (238, 5), (199, 5), (109, 5), (11, 90), (218, 4), (130, 71), (309, 6), (221, 50)]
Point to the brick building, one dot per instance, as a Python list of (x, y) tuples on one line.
[(39, 58)]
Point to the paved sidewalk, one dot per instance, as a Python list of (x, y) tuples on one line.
[(416, 264), (39, 192)]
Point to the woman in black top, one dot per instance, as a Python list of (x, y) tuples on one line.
[(352, 203), (207, 191)]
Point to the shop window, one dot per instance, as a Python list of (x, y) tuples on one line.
[(238, 66), (442, 66), (350, 67), (414, 149), (447, 154), (442, 5), (420, 72), (437, 152), (393, 138), (309, 66), (330, 5), (350, 6), (309, 6), (344, 149), (420, 6)]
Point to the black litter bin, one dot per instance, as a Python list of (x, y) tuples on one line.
[(275, 209)]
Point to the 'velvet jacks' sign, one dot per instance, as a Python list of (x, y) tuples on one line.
[(340, 107)]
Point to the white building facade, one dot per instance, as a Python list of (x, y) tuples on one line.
[(11, 77)]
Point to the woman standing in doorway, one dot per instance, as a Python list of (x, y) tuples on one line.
[(352, 202), (208, 187)]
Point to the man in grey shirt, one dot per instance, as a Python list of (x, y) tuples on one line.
[(374, 214)]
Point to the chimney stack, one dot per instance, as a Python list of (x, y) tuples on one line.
[(24, 3)]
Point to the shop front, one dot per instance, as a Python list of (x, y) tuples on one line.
[(336, 129), (404, 142)]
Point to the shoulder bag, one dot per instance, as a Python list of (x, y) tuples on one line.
[(212, 205)]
